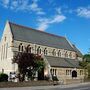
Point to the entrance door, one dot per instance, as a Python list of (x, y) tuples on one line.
[(74, 74)]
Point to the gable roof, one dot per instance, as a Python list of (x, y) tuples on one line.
[(62, 62), (25, 34)]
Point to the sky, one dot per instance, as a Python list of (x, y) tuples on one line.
[(69, 18)]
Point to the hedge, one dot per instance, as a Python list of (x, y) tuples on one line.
[(3, 77)]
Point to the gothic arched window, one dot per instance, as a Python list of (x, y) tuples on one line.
[(59, 53), (28, 49), (66, 54), (54, 52), (20, 47), (70, 55), (45, 51), (38, 50)]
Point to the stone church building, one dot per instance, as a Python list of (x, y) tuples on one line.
[(61, 56)]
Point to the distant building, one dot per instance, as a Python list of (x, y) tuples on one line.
[(61, 56)]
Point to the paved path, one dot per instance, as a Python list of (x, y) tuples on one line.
[(81, 86)]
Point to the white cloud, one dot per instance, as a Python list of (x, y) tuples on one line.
[(57, 19), (5, 3), (83, 12), (58, 10), (43, 26), (14, 5), (46, 22), (34, 7), (23, 5)]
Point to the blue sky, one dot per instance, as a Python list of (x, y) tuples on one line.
[(70, 18)]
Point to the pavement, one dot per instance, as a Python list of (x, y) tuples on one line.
[(59, 86), (79, 86)]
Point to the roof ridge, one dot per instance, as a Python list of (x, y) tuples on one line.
[(36, 30)]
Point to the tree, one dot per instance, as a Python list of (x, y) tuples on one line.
[(88, 68), (85, 64), (86, 58), (28, 64)]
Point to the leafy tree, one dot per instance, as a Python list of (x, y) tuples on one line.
[(85, 64), (86, 57), (28, 64)]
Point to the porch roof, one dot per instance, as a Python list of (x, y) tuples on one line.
[(62, 62)]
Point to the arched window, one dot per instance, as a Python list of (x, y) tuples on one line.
[(54, 52), (2, 53), (38, 50), (70, 55), (28, 49), (66, 54), (5, 38), (20, 47), (59, 53), (6, 49), (45, 51)]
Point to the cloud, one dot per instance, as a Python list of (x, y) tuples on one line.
[(58, 10), (57, 19), (83, 12), (43, 26), (23, 5), (44, 23), (5, 3), (34, 7)]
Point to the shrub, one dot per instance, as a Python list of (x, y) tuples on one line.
[(3, 77)]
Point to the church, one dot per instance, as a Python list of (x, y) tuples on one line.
[(60, 55)]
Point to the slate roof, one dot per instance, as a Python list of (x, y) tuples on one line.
[(26, 34), (62, 62)]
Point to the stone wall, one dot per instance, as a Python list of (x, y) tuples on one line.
[(63, 76), (70, 54), (6, 53)]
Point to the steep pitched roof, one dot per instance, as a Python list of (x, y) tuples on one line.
[(26, 34), (62, 62)]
